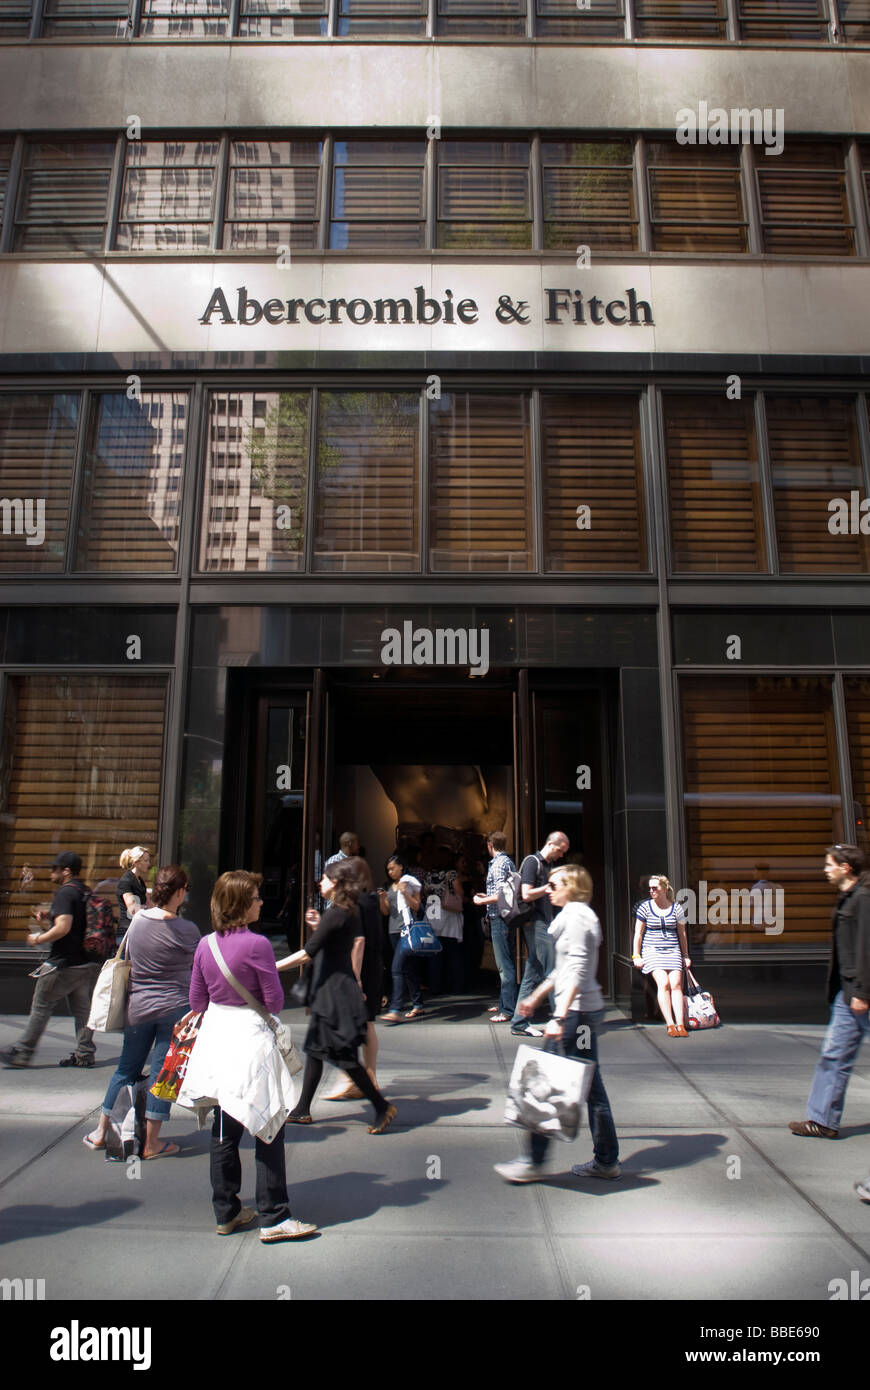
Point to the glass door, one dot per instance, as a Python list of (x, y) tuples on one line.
[(277, 824)]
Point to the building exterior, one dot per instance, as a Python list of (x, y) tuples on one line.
[(435, 417)]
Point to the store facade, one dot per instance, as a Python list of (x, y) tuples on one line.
[(443, 449)]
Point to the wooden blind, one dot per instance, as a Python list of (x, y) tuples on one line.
[(64, 195), (815, 458), (762, 798), (367, 503), (378, 197), (715, 499), (282, 19), (93, 18), (484, 194), (167, 197), (82, 770), (604, 19), (854, 18), (591, 458), (857, 691), (185, 19), (785, 21), (865, 168), (256, 465), (479, 18), (803, 199), (272, 194), (5, 162), (37, 456), (387, 17), (680, 19), (589, 195), (480, 514), (696, 199), (132, 482), (15, 18)]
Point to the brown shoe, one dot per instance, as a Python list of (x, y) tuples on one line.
[(352, 1093), (811, 1129), (243, 1217)]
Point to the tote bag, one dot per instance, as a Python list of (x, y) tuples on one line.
[(547, 1093), (109, 1000)]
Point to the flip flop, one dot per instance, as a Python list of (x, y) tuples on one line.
[(89, 1143), (167, 1151)]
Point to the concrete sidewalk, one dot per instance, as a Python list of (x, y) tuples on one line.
[(718, 1200)]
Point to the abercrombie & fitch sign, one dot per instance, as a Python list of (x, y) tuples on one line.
[(560, 305)]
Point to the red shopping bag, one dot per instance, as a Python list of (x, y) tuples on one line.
[(169, 1082)]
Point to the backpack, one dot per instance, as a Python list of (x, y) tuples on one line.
[(510, 905), (98, 941)]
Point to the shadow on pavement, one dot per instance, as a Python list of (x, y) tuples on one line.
[(28, 1221), (345, 1197)]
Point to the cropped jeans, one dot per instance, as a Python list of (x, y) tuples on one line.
[(139, 1038)]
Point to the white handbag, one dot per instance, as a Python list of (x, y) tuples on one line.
[(109, 1000), (700, 1008), (546, 1093), (283, 1038)]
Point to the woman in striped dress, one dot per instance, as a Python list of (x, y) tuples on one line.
[(661, 950)]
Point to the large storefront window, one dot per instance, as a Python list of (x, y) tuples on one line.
[(762, 801), (37, 456), (592, 484), (81, 770), (857, 689), (254, 495), (713, 477), (367, 504), (480, 515)]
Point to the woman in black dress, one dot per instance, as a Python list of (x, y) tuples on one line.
[(339, 1016), (367, 969)]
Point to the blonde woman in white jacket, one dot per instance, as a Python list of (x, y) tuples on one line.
[(577, 1018)]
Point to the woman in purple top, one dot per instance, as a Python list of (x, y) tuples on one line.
[(161, 946), (235, 1066)]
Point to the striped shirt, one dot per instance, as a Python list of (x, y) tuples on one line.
[(501, 866), (665, 922)]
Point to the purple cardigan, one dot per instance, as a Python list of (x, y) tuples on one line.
[(252, 961)]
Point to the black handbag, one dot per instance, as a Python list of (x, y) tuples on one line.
[(300, 990)]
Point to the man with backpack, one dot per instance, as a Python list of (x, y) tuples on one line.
[(541, 958), (69, 973)]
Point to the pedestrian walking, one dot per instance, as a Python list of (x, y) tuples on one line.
[(236, 1066), (68, 973), (573, 1030), (534, 873), (848, 994), (132, 889), (366, 962), (502, 934), (160, 947), (339, 1021), (401, 904), (661, 950)]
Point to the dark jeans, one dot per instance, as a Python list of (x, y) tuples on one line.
[(504, 945), (406, 977), (541, 959), (226, 1173), (446, 970), (605, 1145), (139, 1038)]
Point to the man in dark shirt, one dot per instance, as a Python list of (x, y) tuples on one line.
[(848, 988), (67, 974), (535, 872)]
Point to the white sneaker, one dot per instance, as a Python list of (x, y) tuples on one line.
[(863, 1189), (287, 1230), (594, 1169), (520, 1170)]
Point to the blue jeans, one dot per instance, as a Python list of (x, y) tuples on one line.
[(605, 1145), (406, 977), (846, 1032), (139, 1038), (541, 959), (504, 938)]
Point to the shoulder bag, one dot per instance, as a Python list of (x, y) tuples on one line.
[(282, 1033), (109, 1000)]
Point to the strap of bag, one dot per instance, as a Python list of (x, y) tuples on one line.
[(694, 987), (240, 988), (122, 953)]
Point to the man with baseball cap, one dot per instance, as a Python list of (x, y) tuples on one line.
[(67, 974)]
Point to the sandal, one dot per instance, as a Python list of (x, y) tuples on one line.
[(385, 1120), (167, 1150), (415, 1013), (88, 1142)]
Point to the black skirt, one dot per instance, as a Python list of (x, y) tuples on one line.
[(339, 1020)]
